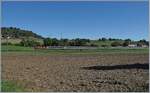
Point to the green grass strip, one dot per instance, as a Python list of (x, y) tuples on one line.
[(9, 86)]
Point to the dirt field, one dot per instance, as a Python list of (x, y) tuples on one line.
[(101, 72)]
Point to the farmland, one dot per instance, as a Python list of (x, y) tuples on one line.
[(100, 70), (74, 46)]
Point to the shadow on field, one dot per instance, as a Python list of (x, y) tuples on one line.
[(113, 67)]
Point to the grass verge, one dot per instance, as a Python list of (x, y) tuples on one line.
[(29, 50), (9, 86)]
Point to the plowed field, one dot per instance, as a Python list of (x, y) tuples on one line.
[(99, 72)]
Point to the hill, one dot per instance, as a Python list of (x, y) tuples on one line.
[(17, 33)]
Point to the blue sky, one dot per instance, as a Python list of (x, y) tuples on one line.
[(79, 19)]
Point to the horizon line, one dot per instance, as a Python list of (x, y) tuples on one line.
[(61, 35)]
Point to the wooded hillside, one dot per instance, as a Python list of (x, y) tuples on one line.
[(14, 32)]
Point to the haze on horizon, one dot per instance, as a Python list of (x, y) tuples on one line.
[(79, 19)]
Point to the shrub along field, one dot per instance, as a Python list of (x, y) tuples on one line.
[(99, 70), (15, 48)]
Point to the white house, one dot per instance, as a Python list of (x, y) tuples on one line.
[(132, 45)]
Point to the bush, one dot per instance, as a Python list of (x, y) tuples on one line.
[(17, 44), (115, 44), (6, 43), (104, 45), (126, 43), (94, 45), (29, 43)]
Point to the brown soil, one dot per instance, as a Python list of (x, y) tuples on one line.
[(104, 72)]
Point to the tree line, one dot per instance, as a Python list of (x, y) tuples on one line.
[(78, 42), (14, 32), (65, 42)]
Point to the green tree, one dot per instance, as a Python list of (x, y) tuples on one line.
[(142, 42), (64, 42), (129, 40), (110, 39), (55, 42), (99, 39), (126, 42), (47, 42), (23, 42), (104, 39)]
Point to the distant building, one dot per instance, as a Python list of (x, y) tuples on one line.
[(132, 45)]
